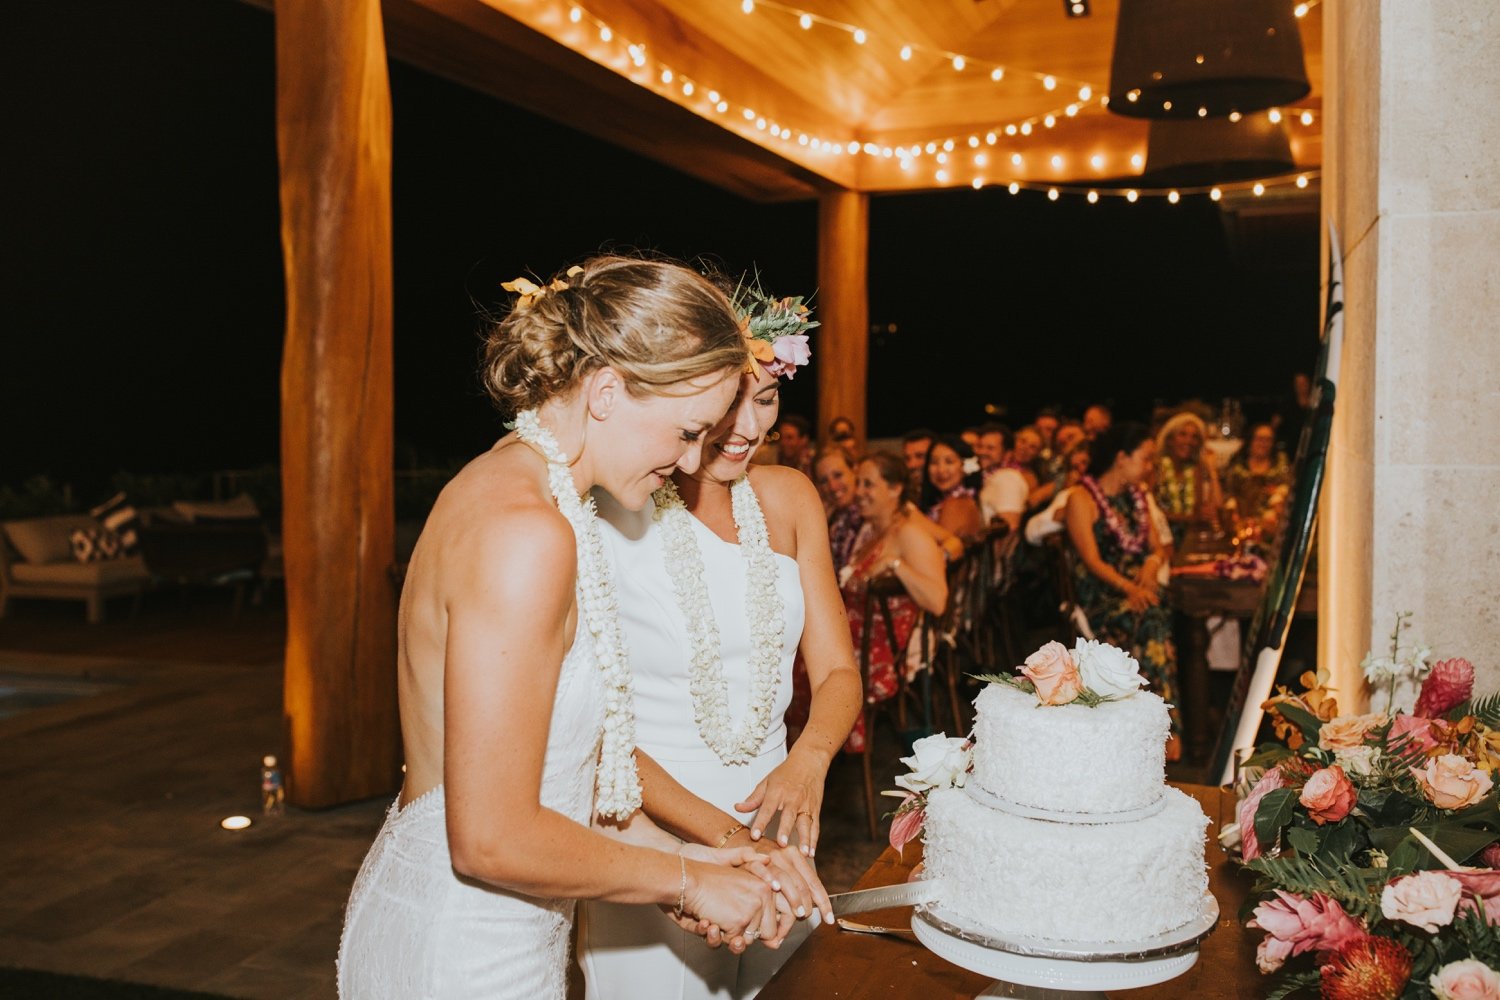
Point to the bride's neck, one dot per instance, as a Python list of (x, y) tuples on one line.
[(568, 421)]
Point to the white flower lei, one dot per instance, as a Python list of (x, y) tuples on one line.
[(617, 785), (763, 605)]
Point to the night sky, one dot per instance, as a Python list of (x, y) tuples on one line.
[(142, 271)]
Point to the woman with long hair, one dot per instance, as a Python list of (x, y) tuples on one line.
[(724, 578), (1117, 576)]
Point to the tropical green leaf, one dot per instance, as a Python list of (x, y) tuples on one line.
[(1293, 983), (1269, 755), (1303, 720), (1303, 840), (1275, 811), (1486, 710), (1342, 842)]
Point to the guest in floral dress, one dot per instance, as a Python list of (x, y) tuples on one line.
[(1187, 485), (1117, 576), (950, 487), (893, 545)]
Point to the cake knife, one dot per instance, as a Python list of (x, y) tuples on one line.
[(904, 894)]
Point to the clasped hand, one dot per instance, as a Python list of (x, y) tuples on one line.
[(726, 907)]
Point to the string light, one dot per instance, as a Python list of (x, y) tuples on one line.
[(1274, 115), (942, 176), (1013, 187), (575, 15), (906, 53), (1137, 160), (1173, 197), (1096, 161), (1049, 82), (1093, 197), (1259, 189), (1052, 194), (1235, 116), (1216, 194), (959, 64), (997, 74), (748, 6), (1307, 117), (1302, 180), (859, 36), (806, 21), (1131, 196), (978, 183)]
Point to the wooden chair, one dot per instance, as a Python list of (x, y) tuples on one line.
[(1072, 624), (877, 604)]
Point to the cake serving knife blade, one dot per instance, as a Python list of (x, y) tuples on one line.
[(905, 894)]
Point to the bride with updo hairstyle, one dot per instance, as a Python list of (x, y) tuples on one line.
[(515, 689)]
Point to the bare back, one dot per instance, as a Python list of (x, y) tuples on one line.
[(454, 555)]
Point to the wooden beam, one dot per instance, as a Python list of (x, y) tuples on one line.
[(333, 125), (843, 307)]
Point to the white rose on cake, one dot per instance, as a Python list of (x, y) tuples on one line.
[(1107, 670), (939, 761)]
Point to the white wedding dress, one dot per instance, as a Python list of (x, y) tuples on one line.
[(630, 952), (414, 929)]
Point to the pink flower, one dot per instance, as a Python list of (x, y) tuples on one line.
[(1490, 856), (1249, 846), (1052, 670), (1452, 782), (1348, 731), (1328, 795), (1301, 925), (906, 826), (1481, 888), (1426, 900), (1412, 730), (1448, 686), (792, 349), (1469, 979)]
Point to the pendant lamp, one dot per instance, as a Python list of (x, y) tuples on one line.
[(1205, 58), (1216, 151)]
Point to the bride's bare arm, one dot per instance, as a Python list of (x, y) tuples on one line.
[(795, 788), (509, 595)]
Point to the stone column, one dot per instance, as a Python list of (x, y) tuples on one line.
[(1411, 511)]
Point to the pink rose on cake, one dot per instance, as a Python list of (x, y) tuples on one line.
[(1054, 674), (1107, 670)]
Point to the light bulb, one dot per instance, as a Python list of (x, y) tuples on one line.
[(1235, 116), (859, 36), (748, 6), (1052, 194), (1071, 110), (997, 74), (980, 160), (749, 115), (1131, 196), (1057, 162), (575, 15), (958, 63), (1302, 180), (604, 33), (1049, 121), (1173, 197), (666, 76), (906, 53), (942, 176), (990, 138), (1096, 161), (978, 183), (1137, 160), (687, 88), (1274, 115), (1202, 111), (931, 148), (1307, 117), (1084, 93), (806, 21), (1010, 129), (1013, 187), (942, 157), (1015, 159), (1300, 10), (973, 142), (1093, 197), (1216, 194), (1049, 82), (1259, 189), (1026, 128), (948, 145)]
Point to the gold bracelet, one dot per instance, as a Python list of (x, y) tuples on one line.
[(732, 831), (681, 888)]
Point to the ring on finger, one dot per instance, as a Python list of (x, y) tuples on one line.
[(751, 934)]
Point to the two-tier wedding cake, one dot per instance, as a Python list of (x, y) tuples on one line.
[(1065, 829)]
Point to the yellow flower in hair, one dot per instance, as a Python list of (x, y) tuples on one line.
[(529, 291)]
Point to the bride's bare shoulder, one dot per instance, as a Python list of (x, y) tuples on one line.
[(498, 510)]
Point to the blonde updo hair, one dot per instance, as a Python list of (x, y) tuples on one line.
[(655, 322)]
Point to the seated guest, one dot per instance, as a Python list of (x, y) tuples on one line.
[(914, 448), (835, 480), (1187, 486), (1004, 491), (841, 434), (1068, 434), (794, 443), (1051, 519), (1117, 576), (1024, 454), (1255, 474), (893, 544), (969, 436), (950, 489), (1096, 420), (1046, 424)]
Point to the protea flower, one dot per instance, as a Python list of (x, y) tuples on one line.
[(1372, 968), (1448, 686)]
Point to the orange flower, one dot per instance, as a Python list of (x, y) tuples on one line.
[(1452, 782), (1328, 795), (1372, 968)]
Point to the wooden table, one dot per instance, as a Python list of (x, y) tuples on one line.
[(1196, 599), (850, 966)]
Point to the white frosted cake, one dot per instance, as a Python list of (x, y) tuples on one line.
[(1065, 829)]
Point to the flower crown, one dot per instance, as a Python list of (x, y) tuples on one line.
[(529, 291), (775, 329)]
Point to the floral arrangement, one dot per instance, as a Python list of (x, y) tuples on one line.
[(939, 761), (776, 329), (1091, 673), (1374, 841)]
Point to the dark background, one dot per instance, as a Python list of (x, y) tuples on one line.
[(142, 272)]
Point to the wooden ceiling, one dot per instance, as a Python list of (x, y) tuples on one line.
[(701, 84)]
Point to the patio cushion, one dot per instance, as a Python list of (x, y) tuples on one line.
[(42, 540), (240, 507), (118, 515), (96, 544), (81, 574)]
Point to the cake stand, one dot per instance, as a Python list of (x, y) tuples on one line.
[(1039, 969)]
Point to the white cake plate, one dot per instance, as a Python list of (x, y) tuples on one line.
[(1044, 969)]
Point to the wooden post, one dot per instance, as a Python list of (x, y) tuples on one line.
[(333, 124), (843, 307)]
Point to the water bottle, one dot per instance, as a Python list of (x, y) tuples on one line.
[(272, 787)]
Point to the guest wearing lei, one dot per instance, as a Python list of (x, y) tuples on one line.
[(724, 578), (1187, 485), (1120, 558), (515, 692), (1255, 477), (835, 478), (950, 488), (896, 543)]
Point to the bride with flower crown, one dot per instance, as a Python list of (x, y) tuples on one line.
[(723, 577), (513, 678)]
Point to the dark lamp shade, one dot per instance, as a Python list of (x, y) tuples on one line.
[(1216, 151), (1175, 57)]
